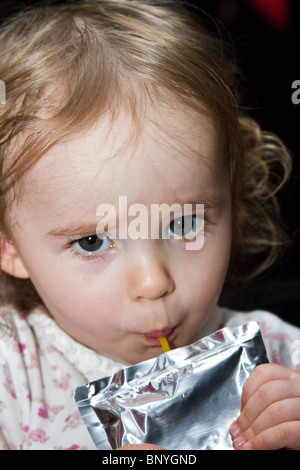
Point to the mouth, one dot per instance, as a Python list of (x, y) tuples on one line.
[(152, 337)]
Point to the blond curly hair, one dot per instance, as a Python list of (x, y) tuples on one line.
[(65, 66)]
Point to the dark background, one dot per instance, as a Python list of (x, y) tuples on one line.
[(268, 52)]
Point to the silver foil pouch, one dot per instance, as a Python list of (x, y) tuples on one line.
[(184, 399)]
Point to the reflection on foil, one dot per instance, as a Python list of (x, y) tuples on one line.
[(184, 399)]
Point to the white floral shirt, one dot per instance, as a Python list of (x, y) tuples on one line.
[(41, 365)]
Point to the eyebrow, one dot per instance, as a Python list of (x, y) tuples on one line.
[(71, 230), (83, 230)]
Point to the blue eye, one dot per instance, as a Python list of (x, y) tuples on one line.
[(184, 226), (92, 244)]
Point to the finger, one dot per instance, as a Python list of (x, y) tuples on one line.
[(282, 436), (265, 373), (276, 391), (277, 413)]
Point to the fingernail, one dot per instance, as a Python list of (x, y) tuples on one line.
[(247, 446), (239, 442), (235, 430)]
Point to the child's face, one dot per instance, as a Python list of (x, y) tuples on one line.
[(119, 299)]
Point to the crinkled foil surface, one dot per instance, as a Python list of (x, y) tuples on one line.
[(185, 399)]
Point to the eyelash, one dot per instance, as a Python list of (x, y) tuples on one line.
[(91, 257), (88, 257)]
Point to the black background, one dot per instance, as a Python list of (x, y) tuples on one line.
[(270, 61)]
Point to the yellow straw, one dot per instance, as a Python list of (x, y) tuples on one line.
[(164, 344)]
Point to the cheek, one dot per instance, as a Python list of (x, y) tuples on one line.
[(205, 271), (204, 284), (73, 296), (83, 312)]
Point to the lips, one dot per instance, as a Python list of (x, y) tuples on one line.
[(153, 336), (159, 333)]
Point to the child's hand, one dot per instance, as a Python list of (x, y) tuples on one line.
[(270, 410)]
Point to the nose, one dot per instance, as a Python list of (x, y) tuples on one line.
[(149, 277)]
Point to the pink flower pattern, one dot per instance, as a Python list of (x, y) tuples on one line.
[(37, 409), (38, 435)]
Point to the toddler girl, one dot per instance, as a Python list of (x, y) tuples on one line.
[(113, 101)]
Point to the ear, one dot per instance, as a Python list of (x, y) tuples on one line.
[(11, 262)]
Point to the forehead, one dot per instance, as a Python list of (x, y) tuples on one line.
[(169, 148)]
